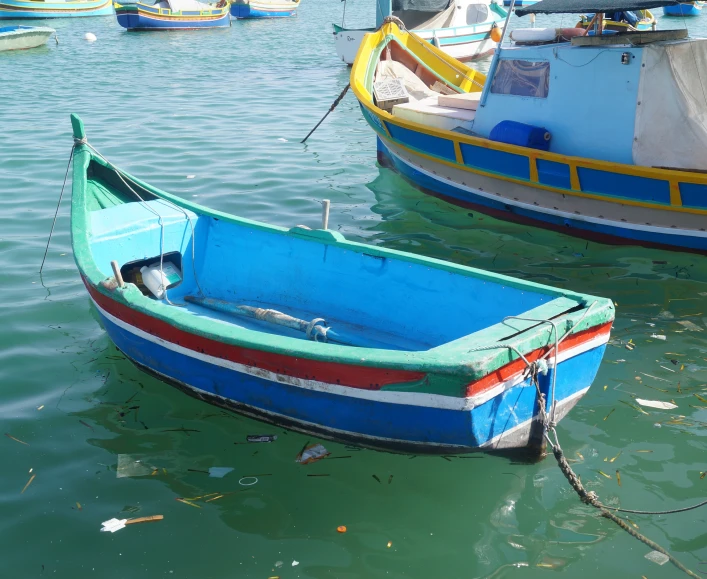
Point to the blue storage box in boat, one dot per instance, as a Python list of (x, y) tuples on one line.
[(520, 134)]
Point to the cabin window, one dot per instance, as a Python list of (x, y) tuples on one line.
[(476, 13), (522, 78)]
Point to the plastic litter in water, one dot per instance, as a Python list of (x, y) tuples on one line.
[(295, 563), (129, 466), (656, 404), (658, 557), (261, 437), (312, 453), (219, 471), (90, 37), (659, 336)]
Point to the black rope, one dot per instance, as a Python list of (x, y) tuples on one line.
[(331, 108), (56, 213), (590, 497)]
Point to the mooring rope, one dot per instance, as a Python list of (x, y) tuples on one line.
[(540, 366)]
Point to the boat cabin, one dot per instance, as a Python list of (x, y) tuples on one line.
[(633, 97)]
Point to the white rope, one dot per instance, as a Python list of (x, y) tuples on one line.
[(120, 174)]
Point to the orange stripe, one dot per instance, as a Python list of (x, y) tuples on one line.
[(509, 370)]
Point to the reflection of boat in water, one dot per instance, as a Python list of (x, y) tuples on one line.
[(511, 145), (462, 28), (425, 374)]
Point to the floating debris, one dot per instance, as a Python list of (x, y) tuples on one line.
[(658, 557), (618, 477), (312, 453), (610, 412), (643, 451), (261, 437), (602, 473), (128, 466), (16, 439), (689, 326), (78, 506), (659, 337), (86, 424), (318, 475), (188, 502), (295, 563), (656, 404), (390, 544), (375, 477), (702, 474), (219, 471), (390, 479), (341, 529), (614, 458), (114, 525), (700, 398), (635, 407), (29, 482), (40, 407)]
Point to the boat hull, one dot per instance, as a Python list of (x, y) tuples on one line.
[(682, 10), (387, 420), (24, 37), (463, 43), (539, 207), (140, 17), (12, 9), (263, 10)]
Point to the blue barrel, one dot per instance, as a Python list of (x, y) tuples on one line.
[(521, 134)]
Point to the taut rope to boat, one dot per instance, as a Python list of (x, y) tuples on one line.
[(587, 497)]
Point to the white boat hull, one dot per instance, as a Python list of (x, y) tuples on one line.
[(25, 37), (347, 43)]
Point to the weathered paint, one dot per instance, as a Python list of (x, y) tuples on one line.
[(419, 395)]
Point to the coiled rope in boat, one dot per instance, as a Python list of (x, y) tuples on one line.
[(548, 422)]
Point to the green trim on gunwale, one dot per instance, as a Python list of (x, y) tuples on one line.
[(449, 366)]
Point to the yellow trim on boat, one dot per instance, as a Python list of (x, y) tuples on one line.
[(460, 75)]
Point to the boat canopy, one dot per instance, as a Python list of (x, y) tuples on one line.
[(591, 6), (420, 5)]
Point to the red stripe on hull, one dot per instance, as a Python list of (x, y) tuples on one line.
[(509, 370), (364, 377)]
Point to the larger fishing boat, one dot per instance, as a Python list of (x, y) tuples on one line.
[(173, 15), (540, 140), (415, 354), (464, 29)]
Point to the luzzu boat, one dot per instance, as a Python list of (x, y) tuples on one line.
[(59, 9), (462, 28), (415, 354), (621, 21), (23, 37), (684, 9), (264, 8), (633, 170), (173, 15)]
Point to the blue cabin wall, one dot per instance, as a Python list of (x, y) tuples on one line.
[(590, 109)]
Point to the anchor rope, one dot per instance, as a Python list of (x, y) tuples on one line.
[(591, 498), (84, 141)]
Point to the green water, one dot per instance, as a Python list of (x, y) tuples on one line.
[(229, 107)]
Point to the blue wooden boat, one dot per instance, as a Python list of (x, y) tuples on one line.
[(264, 8), (23, 37), (173, 15), (509, 144), (416, 354), (684, 9), (58, 9)]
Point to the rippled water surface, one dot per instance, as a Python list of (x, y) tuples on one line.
[(229, 107)]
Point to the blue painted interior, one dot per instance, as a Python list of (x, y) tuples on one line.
[(595, 122), (408, 305)]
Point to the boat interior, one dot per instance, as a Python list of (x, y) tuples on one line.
[(380, 301)]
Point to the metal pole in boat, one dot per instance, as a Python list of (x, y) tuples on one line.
[(325, 213), (496, 58)]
